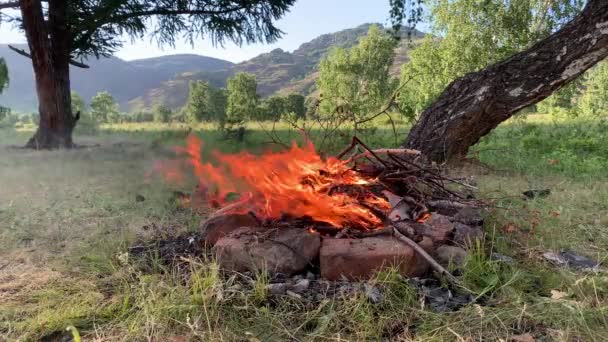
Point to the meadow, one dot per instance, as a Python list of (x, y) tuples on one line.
[(67, 219)]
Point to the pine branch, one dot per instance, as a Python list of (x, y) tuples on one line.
[(72, 62), (10, 4)]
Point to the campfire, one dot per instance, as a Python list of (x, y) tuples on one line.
[(347, 215)]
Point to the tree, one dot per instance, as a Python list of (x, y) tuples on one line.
[(78, 104), (474, 104), (205, 103), (162, 113), (59, 32), (594, 100), (273, 107), (3, 75), (242, 100), (472, 36), (197, 109), (356, 82), (294, 103), (104, 108), (217, 104)]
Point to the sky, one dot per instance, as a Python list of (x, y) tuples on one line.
[(307, 20)]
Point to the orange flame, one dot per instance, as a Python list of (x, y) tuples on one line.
[(295, 182)]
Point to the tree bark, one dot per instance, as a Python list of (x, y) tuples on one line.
[(50, 52), (476, 103)]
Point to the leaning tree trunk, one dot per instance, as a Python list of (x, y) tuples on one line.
[(49, 49), (476, 103)]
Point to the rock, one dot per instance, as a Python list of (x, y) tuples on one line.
[(284, 250), (465, 235), (568, 258), (301, 285), (469, 216), (139, 198), (502, 258), (361, 258), (439, 228), (277, 289), (453, 255), (438, 296), (373, 293), (293, 295), (217, 227), (537, 193)]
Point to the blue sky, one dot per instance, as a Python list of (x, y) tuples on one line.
[(306, 20)]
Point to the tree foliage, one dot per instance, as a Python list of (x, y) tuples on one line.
[(594, 99), (3, 75), (468, 35), (162, 113), (78, 104), (273, 107), (205, 103), (197, 104), (104, 108), (294, 103), (242, 99), (356, 82), (97, 27)]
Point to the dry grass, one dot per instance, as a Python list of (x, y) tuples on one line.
[(66, 217)]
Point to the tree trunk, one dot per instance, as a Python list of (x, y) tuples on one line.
[(50, 52), (476, 103)]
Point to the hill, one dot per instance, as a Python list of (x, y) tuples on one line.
[(125, 80), (140, 84), (276, 71)]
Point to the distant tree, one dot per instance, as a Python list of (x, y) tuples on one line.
[(59, 31), (162, 113), (143, 116), (104, 108), (294, 103), (217, 104), (563, 101), (356, 83), (242, 100), (196, 109), (273, 107), (312, 106), (78, 104), (3, 75), (594, 100)]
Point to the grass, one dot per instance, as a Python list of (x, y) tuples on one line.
[(67, 217)]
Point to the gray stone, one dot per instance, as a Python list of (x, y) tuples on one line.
[(301, 285), (282, 250), (439, 228), (465, 235), (293, 295), (469, 216), (373, 293), (277, 289), (451, 255), (219, 226)]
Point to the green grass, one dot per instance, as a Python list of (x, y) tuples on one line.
[(67, 218)]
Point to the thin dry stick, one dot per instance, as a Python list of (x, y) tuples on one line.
[(434, 264)]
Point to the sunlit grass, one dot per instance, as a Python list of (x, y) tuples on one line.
[(67, 217)]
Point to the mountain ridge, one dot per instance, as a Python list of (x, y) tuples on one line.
[(140, 84)]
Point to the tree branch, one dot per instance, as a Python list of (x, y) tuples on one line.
[(169, 12), (11, 4), (72, 62)]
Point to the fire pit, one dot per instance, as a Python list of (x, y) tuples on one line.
[(348, 216)]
